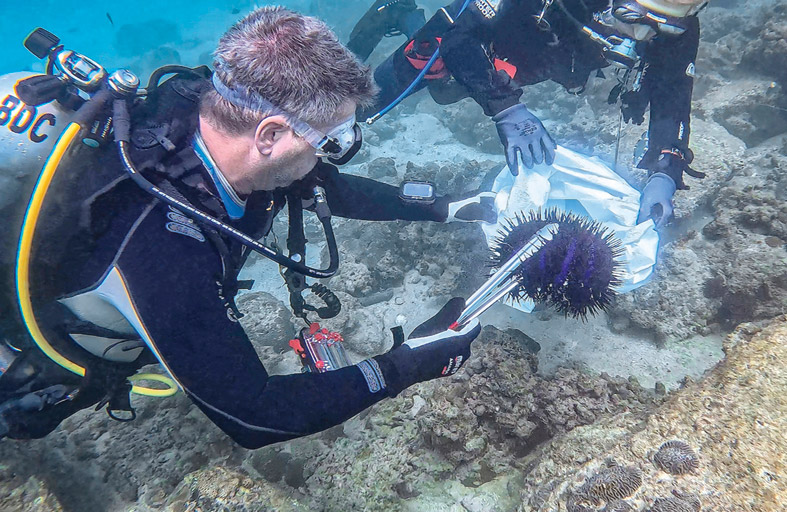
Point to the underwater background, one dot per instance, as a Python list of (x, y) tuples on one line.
[(678, 393)]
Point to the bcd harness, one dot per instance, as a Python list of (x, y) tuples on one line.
[(183, 177)]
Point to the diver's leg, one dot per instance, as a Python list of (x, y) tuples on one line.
[(396, 73), (368, 32), (384, 17)]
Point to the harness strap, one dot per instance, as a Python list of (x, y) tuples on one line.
[(419, 58)]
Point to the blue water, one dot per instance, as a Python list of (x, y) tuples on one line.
[(142, 35)]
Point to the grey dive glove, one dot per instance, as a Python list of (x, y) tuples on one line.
[(656, 199), (431, 351), (521, 131)]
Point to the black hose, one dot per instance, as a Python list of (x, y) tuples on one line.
[(155, 77), (121, 116), (333, 306), (88, 112), (333, 250)]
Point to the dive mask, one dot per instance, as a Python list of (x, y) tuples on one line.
[(342, 143), (339, 146)]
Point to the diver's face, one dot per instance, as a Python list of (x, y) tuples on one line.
[(291, 157)]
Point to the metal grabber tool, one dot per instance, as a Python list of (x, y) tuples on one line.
[(504, 280)]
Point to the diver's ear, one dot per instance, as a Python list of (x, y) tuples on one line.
[(271, 131)]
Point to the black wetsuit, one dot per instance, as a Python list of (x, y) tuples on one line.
[(563, 54), (148, 272)]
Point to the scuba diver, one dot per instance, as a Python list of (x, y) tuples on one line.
[(489, 49), (129, 249)]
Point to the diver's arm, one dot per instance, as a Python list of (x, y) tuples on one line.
[(465, 51), (355, 197), (167, 285), (670, 80)]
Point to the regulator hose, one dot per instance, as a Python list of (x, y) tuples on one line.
[(416, 80), (122, 125)]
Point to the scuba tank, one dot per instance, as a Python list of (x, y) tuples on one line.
[(27, 135)]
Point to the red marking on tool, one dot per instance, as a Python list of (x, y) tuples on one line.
[(297, 347)]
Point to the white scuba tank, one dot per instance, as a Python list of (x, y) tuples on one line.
[(27, 136)]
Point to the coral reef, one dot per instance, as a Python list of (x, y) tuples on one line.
[(409, 453), (94, 463), (382, 167), (729, 270), (618, 506), (445, 442), (29, 494), (468, 125), (734, 417), (266, 320), (679, 503), (219, 489)]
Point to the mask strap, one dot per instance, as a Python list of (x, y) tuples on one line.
[(243, 97)]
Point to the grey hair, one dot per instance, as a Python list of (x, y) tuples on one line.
[(294, 61)]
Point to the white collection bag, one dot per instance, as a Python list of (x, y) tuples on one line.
[(584, 186)]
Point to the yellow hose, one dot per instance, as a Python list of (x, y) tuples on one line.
[(23, 270), (170, 390)]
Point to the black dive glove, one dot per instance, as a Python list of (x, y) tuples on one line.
[(521, 131), (431, 351), (633, 105)]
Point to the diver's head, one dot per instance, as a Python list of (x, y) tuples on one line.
[(285, 85), (643, 19)]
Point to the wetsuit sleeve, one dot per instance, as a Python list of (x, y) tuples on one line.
[(465, 49), (356, 197), (172, 296), (670, 81)]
